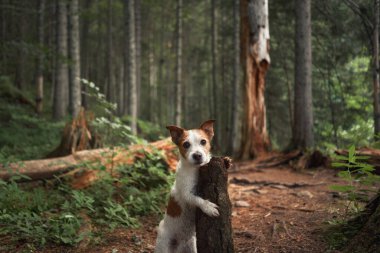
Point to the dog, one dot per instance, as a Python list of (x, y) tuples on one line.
[(176, 232)]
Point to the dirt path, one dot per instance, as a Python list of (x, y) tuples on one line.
[(281, 211), (286, 210)]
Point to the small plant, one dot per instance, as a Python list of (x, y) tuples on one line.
[(112, 129), (41, 215), (359, 175)]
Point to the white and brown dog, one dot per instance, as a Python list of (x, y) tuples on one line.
[(176, 232)]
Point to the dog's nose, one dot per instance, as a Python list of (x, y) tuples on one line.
[(197, 157)]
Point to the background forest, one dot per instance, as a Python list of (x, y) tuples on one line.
[(342, 83), (278, 75)]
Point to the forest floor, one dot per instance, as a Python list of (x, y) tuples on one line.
[(274, 210)]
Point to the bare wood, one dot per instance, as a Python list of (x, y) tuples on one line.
[(254, 38), (214, 235)]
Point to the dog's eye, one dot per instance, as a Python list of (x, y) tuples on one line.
[(186, 144), (203, 142)]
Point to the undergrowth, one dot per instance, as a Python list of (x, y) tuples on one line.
[(360, 178), (56, 213), (52, 212)]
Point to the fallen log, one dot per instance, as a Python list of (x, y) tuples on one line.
[(76, 165), (374, 156), (214, 234)]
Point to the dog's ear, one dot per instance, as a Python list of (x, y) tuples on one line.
[(208, 128), (176, 133)]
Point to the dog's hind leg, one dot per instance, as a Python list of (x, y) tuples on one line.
[(190, 246)]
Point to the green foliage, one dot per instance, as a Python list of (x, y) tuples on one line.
[(24, 136), (109, 126), (339, 232), (358, 174), (40, 215)]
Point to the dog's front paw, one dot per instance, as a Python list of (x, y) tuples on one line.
[(227, 162), (210, 209)]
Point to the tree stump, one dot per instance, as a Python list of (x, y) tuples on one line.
[(214, 235)]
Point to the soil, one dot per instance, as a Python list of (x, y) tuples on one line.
[(274, 210)]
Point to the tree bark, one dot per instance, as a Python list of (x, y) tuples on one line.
[(110, 81), (255, 61), (40, 59), (214, 53), (235, 83), (85, 52), (376, 69), (74, 52), (303, 105), (214, 235), (60, 102), (132, 64), (138, 52), (153, 113), (178, 78)]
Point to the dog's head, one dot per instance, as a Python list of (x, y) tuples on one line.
[(194, 145)]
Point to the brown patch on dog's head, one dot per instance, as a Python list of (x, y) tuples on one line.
[(181, 142), (176, 133), (179, 136), (173, 209), (194, 145), (208, 128)]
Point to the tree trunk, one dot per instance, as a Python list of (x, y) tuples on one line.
[(303, 105), (85, 53), (4, 21), (126, 88), (152, 88), (20, 67), (255, 61), (138, 52), (110, 82), (160, 75), (40, 59), (74, 52), (132, 64), (376, 77), (178, 78), (214, 53), (235, 82), (214, 235), (62, 83)]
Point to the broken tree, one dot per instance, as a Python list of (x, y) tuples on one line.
[(214, 235)]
